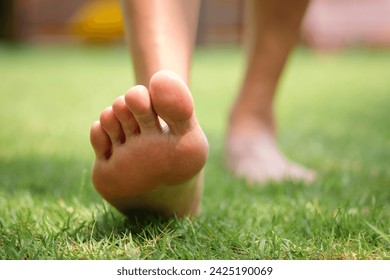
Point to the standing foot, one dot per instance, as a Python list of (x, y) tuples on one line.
[(256, 158)]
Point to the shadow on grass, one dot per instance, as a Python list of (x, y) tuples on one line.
[(66, 180)]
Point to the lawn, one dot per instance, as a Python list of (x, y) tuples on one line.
[(334, 116)]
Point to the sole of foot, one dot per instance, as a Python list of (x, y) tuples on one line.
[(150, 150)]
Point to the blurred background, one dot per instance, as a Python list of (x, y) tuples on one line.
[(329, 24)]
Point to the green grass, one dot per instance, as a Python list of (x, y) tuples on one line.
[(333, 111)]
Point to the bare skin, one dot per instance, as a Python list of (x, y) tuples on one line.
[(144, 163), (251, 147), (160, 36)]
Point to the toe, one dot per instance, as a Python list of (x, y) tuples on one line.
[(172, 101), (111, 126), (300, 173), (100, 141), (125, 117), (138, 102)]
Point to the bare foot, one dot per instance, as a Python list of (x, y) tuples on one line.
[(150, 149), (256, 157)]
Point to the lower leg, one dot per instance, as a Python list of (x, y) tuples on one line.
[(272, 30), (150, 149), (160, 35)]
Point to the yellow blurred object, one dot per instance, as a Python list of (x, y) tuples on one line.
[(99, 21)]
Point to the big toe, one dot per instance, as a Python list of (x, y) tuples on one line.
[(172, 101)]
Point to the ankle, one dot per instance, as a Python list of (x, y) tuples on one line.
[(248, 122)]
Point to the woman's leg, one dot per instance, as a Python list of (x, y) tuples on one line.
[(150, 149), (252, 152)]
